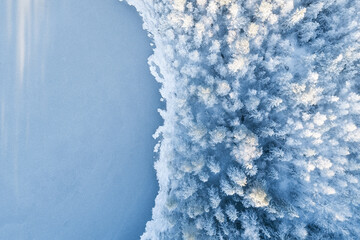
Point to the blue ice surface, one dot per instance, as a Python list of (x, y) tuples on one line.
[(78, 107)]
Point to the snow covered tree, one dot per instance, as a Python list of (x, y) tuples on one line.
[(261, 134)]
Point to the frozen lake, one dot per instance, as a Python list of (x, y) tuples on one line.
[(77, 111)]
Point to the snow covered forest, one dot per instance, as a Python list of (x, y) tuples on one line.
[(261, 133)]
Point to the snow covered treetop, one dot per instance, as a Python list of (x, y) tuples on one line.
[(261, 134)]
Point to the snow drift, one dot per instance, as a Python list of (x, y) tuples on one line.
[(261, 129)]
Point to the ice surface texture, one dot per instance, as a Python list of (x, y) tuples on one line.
[(261, 129), (77, 110)]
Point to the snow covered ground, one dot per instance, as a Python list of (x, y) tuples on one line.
[(78, 107)]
